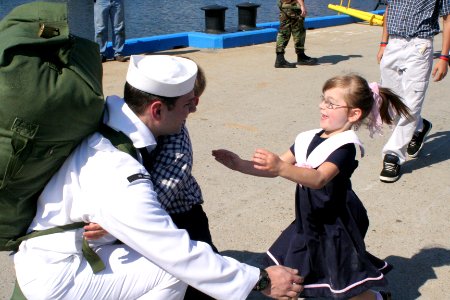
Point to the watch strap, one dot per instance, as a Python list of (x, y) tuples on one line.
[(263, 281)]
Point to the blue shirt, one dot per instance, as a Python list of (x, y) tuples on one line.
[(415, 18)]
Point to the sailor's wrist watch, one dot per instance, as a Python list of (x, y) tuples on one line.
[(263, 281)]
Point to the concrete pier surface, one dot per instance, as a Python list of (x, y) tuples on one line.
[(249, 104)]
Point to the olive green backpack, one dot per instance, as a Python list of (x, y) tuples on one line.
[(50, 99)]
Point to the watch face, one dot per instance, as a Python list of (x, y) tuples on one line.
[(263, 283)]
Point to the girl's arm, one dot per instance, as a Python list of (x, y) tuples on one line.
[(234, 162), (269, 163)]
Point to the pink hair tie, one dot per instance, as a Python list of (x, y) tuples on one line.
[(374, 122)]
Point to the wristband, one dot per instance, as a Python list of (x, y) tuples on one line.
[(383, 44), (443, 57)]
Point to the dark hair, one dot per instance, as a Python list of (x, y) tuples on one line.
[(138, 100), (200, 82), (359, 95)]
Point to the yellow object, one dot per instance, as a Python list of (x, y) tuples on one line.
[(348, 3), (373, 19)]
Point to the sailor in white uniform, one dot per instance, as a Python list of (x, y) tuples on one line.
[(99, 183)]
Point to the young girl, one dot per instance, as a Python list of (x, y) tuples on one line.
[(326, 240)]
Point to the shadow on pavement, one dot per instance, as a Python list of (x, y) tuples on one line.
[(410, 274), (405, 280), (434, 151), (335, 59)]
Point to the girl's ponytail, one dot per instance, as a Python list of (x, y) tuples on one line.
[(391, 105)]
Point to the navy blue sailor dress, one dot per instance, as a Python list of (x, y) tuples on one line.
[(326, 240)]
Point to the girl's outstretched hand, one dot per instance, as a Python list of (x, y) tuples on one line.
[(267, 161), (227, 158)]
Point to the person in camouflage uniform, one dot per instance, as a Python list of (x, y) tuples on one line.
[(292, 21)]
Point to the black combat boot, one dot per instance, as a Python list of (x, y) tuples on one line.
[(303, 59), (280, 62)]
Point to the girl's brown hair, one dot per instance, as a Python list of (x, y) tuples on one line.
[(360, 95)]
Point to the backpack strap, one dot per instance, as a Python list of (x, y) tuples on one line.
[(17, 293), (119, 140), (14, 244), (92, 258)]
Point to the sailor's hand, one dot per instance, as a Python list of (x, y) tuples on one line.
[(285, 283)]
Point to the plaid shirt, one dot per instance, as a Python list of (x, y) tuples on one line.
[(415, 18), (170, 170)]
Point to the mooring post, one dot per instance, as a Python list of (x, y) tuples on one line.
[(247, 12), (214, 18)]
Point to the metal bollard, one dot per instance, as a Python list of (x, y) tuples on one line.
[(247, 12), (214, 18)]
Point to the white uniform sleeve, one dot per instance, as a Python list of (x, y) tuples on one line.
[(130, 212)]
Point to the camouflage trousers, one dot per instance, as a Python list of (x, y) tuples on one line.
[(291, 22)]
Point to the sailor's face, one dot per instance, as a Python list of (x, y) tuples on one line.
[(176, 117)]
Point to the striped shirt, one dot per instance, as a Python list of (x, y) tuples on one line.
[(415, 18), (170, 170)]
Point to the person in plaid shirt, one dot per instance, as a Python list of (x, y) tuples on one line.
[(178, 192), (406, 63)]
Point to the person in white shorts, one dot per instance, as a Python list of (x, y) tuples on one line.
[(406, 62)]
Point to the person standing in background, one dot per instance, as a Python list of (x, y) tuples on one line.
[(406, 62), (292, 21), (105, 10)]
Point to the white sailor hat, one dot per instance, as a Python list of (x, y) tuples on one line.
[(162, 75)]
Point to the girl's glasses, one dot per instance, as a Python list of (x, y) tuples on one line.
[(331, 105)]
